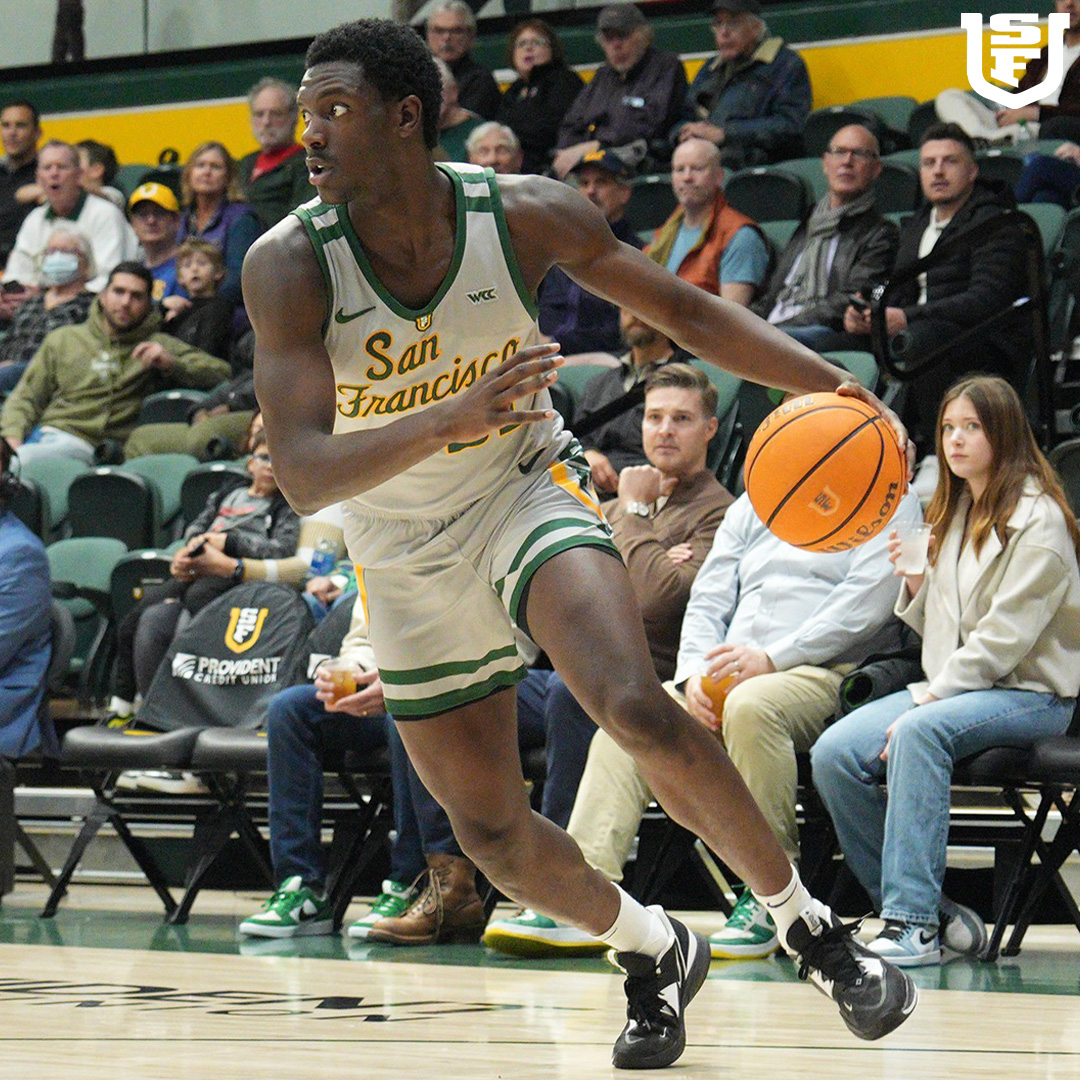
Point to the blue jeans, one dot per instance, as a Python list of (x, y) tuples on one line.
[(301, 735), (896, 846)]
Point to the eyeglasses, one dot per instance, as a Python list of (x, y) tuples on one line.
[(264, 458), (532, 43), (845, 151), (448, 31)]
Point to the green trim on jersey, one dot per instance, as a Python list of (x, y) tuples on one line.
[(399, 309), (452, 699), (318, 235), (527, 299), (542, 557), (410, 676)]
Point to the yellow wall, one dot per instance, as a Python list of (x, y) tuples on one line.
[(917, 66)]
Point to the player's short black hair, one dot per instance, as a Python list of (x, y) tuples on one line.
[(393, 59)]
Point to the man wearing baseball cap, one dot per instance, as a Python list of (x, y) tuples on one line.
[(155, 217), (752, 99), (636, 96), (579, 321)]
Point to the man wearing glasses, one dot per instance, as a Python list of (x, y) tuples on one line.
[(844, 247), (451, 34), (752, 99)]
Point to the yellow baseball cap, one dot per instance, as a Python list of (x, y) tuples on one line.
[(156, 193)]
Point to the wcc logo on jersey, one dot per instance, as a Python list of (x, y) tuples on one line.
[(1015, 40), (483, 296)]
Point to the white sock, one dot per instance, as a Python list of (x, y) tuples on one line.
[(792, 902), (638, 929)]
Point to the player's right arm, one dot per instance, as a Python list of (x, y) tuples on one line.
[(286, 299)]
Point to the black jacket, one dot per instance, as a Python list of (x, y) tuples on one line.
[(864, 257), (275, 540), (534, 109)]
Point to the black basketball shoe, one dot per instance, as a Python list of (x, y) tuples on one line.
[(874, 996), (657, 993)]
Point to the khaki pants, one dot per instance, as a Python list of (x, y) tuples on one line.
[(191, 439), (767, 720)]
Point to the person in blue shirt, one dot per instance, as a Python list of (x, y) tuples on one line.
[(25, 624)]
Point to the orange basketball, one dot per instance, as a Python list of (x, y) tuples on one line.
[(825, 472)]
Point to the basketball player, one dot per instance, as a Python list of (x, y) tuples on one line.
[(395, 328)]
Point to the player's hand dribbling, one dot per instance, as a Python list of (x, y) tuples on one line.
[(489, 403)]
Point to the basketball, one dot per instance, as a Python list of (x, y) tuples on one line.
[(825, 472)]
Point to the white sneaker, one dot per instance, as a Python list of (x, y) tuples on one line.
[(172, 783), (907, 945), (962, 930), (531, 934)]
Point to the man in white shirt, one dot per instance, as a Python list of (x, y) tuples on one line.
[(111, 237)]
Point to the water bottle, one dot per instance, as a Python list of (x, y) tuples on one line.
[(322, 558)]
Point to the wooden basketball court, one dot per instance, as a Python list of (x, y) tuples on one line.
[(106, 990)]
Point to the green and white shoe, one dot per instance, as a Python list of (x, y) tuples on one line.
[(531, 934), (393, 901), (293, 911), (749, 933)]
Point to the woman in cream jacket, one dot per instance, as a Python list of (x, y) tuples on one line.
[(999, 613)]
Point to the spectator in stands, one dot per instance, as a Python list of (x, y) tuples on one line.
[(973, 283), (784, 625), (86, 383), (1056, 115), (844, 247), (274, 178), (99, 168), (705, 241), (216, 429), (203, 318), (451, 34), (244, 519), (635, 97), (570, 314), (613, 446), (25, 628), (495, 146), (214, 210), (19, 134), (999, 612), (534, 104), (66, 266), (663, 523), (456, 123), (155, 217), (110, 236), (1052, 178), (752, 99)]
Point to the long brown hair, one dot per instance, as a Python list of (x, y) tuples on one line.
[(233, 192), (1015, 457)]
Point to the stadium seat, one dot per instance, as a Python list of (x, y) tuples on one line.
[(169, 406), (1051, 221), (823, 124), (922, 116), (779, 233), (999, 164), (574, 377), (54, 477), (167, 473), (110, 501), (894, 111), (202, 481), (651, 201), (132, 574), (30, 504), (897, 188), (810, 169), (1065, 457), (767, 193)]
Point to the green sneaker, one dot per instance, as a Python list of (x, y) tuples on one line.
[(532, 934), (294, 910), (393, 901), (749, 933)]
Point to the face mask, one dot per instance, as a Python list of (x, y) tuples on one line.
[(59, 267)]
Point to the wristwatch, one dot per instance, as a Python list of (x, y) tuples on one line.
[(238, 571), (641, 509)]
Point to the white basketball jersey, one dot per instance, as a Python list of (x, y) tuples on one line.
[(390, 360)]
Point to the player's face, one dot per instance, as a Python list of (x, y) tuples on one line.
[(675, 430), (347, 129), (968, 452)]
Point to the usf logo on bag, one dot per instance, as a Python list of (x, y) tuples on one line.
[(245, 625)]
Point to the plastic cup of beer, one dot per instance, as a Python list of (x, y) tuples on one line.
[(717, 690), (914, 537), (342, 673)]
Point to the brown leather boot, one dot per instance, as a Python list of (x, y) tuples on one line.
[(448, 909)]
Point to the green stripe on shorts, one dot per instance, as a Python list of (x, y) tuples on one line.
[(453, 699), (546, 553), (412, 676)]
